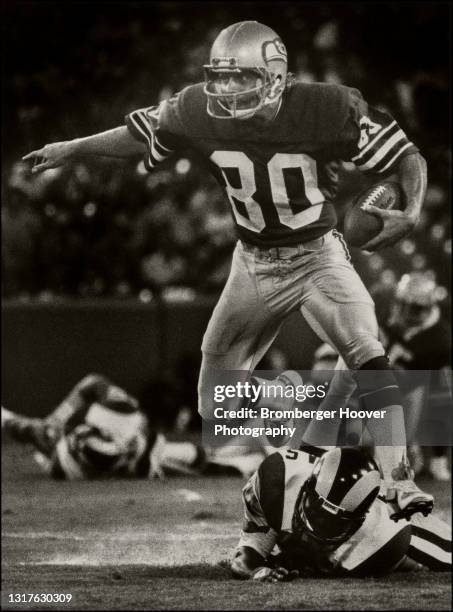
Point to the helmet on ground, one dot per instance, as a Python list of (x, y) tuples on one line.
[(334, 501), (247, 71)]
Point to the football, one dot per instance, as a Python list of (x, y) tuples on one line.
[(360, 226)]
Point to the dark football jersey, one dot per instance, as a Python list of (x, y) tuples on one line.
[(280, 177), (429, 349)]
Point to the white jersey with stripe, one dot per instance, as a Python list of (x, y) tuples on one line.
[(269, 499), (104, 433)]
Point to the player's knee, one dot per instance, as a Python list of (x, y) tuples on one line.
[(362, 349)]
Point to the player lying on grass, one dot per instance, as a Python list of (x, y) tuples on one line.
[(99, 431), (276, 146), (307, 515)]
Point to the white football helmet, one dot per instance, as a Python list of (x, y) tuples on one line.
[(334, 501), (247, 71)]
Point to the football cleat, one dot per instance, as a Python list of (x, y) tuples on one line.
[(406, 499)]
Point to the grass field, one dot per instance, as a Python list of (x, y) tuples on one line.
[(136, 545)]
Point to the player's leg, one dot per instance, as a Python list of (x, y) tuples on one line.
[(181, 457), (240, 331), (430, 543), (29, 430), (337, 305), (323, 434)]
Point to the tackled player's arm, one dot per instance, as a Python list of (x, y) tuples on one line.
[(117, 142), (250, 558)]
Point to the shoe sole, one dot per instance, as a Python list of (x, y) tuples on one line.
[(425, 507)]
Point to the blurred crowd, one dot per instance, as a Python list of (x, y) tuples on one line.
[(109, 228)]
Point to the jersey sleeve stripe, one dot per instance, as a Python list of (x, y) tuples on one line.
[(148, 163), (142, 125), (161, 146), (138, 117), (395, 157), (381, 153), (371, 144), (155, 153), (141, 129), (135, 129), (147, 135)]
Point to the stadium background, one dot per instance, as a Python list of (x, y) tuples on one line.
[(107, 268)]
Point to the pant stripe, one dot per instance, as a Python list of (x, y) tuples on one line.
[(339, 237), (429, 536), (429, 560)]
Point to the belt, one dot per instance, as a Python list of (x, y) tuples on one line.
[(285, 252)]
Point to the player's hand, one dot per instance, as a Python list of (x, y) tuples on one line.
[(51, 155), (397, 224), (274, 574)]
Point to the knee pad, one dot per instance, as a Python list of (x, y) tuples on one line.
[(377, 384)]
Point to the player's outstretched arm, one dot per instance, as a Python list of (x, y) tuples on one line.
[(412, 176), (117, 142), (249, 564)]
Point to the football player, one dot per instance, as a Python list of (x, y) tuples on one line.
[(324, 516), (99, 431), (276, 146), (417, 337)]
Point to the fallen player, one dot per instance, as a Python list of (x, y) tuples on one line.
[(308, 515), (99, 431)]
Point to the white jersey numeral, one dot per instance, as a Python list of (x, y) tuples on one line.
[(244, 194), (244, 165), (280, 195)]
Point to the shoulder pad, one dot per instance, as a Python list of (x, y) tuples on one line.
[(184, 114), (321, 109)]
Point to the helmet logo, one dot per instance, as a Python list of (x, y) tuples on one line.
[(274, 50)]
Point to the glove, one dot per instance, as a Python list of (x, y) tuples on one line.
[(275, 574)]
